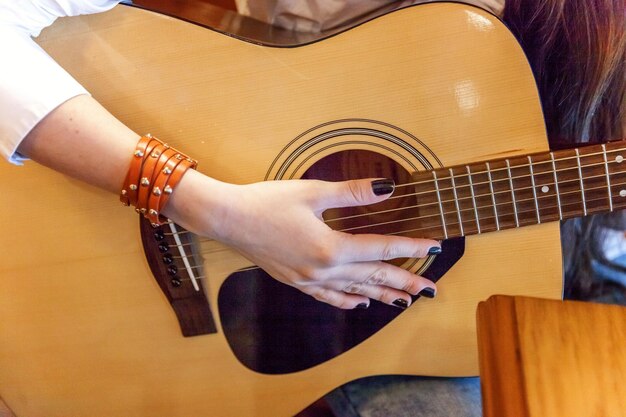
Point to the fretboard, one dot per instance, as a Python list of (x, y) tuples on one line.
[(515, 192)]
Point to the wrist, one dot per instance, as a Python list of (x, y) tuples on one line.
[(200, 204)]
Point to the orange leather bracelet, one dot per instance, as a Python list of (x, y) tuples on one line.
[(161, 189), (147, 173), (154, 172), (129, 188), (154, 212)]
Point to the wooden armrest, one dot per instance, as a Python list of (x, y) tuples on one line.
[(551, 358)]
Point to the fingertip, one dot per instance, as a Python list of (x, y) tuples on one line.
[(353, 193), (427, 247), (381, 187), (434, 250), (428, 292), (401, 303)]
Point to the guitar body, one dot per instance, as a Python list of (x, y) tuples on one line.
[(86, 331)]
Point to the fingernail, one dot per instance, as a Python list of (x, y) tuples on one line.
[(362, 306), (382, 187), (435, 250), (401, 302), (427, 292)]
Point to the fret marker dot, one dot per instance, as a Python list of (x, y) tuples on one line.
[(622, 193), (619, 159), (545, 189)]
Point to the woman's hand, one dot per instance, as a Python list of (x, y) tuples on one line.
[(278, 225)]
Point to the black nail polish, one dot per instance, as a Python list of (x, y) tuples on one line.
[(362, 306), (382, 187), (401, 302), (427, 292), (435, 250)]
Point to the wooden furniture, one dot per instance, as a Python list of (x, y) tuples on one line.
[(551, 358)]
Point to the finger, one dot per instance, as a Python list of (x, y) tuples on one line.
[(383, 294), (382, 275), (336, 298), (353, 193), (363, 278), (367, 247)]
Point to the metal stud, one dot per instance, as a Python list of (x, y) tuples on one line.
[(138, 153), (133, 187), (153, 212), (167, 171), (155, 154), (124, 192), (168, 189), (156, 191), (145, 182)]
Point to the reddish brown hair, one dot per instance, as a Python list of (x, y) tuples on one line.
[(577, 49)]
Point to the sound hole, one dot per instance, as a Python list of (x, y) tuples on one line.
[(275, 329)]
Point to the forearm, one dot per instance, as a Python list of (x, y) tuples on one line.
[(83, 140)]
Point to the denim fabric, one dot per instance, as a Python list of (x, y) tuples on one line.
[(407, 396)]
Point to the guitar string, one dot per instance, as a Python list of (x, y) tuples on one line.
[(506, 179), (487, 195), (528, 222), (469, 175), (534, 164), (439, 179), (523, 223), (455, 223), (532, 212), (476, 197)]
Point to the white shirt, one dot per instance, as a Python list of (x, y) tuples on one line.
[(32, 84)]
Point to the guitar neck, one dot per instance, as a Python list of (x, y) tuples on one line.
[(515, 192)]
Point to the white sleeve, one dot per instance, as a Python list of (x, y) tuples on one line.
[(31, 83)]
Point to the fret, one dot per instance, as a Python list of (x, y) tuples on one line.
[(443, 218), (582, 187), (542, 182), (556, 186), (532, 180), (456, 202), (471, 185), (493, 196), (618, 173), (508, 168), (608, 177)]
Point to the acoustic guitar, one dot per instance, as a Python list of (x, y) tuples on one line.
[(102, 315)]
